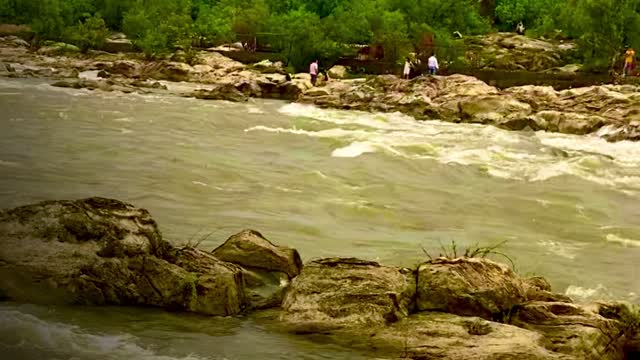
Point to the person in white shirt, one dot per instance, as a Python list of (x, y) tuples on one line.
[(313, 71), (407, 69), (433, 64)]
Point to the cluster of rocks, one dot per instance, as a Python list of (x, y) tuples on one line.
[(510, 51), (460, 98), (611, 111), (101, 251)]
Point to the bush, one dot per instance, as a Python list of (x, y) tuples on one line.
[(90, 34)]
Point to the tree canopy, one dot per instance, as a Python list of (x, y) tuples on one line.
[(304, 29)]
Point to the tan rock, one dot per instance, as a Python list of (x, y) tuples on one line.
[(339, 292), (468, 286), (251, 250)]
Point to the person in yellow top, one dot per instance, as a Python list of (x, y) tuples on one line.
[(629, 61)]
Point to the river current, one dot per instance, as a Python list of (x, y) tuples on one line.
[(327, 182)]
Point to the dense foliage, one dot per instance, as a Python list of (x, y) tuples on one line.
[(306, 29)]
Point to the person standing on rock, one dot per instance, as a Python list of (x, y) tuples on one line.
[(407, 69), (313, 71), (629, 62), (433, 64)]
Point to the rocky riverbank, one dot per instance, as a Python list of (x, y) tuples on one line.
[(610, 111), (101, 251)]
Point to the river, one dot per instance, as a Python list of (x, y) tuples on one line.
[(327, 182)]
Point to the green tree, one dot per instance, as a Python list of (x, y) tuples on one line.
[(392, 35), (47, 21), (157, 26), (90, 34), (302, 40)]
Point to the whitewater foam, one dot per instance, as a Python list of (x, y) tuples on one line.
[(504, 154), (565, 250), (580, 293), (615, 239), (23, 332)]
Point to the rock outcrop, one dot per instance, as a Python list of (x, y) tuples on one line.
[(105, 252), (510, 51), (459, 98), (100, 251), (610, 111)]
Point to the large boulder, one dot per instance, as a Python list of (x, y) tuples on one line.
[(492, 109), (220, 62), (338, 72), (103, 251), (468, 286), (167, 70), (569, 122), (267, 66), (120, 45), (346, 292), (267, 268), (250, 249), (127, 68)]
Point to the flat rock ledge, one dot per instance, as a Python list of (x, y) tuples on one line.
[(99, 251)]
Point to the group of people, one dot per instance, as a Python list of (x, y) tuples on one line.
[(432, 65)]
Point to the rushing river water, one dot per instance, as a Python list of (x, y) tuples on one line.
[(329, 183)]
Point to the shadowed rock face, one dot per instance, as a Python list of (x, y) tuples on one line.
[(338, 292), (103, 251)]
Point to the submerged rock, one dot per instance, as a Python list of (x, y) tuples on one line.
[(346, 292)]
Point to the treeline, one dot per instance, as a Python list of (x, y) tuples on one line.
[(307, 29)]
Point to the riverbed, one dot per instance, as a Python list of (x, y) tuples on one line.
[(327, 182)]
